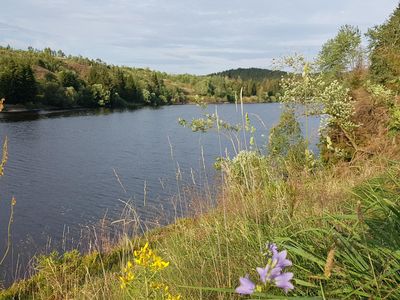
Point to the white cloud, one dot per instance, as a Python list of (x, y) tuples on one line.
[(198, 36)]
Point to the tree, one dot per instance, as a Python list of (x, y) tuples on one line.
[(60, 53), (384, 51), (254, 89), (100, 74), (285, 139), (341, 53), (17, 83), (131, 92), (52, 93), (101, 94), (69, 78), (119, 82)]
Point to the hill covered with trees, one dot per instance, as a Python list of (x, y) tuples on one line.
[(255, 74), (49, 78)]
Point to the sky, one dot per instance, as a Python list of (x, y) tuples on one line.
[(184, 36)]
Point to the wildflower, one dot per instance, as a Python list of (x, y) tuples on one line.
[(127, 276), (268, 273), (273, 249), (263, 272), (172, 297), (283, 281), (165, 290), (271, 274), (147, 258), (158, 264), (128, 267), (143, 256), (246, 286), (280, 259), (126, 279)]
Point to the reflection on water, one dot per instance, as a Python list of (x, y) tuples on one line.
[(62, 167), (45, 114)]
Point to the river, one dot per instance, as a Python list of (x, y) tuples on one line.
[(68, 170)]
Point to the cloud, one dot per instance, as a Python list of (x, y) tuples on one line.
[(198, 36)]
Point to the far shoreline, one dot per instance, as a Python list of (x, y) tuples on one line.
[(12, 109)]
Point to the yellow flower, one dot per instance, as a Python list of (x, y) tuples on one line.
[(158, 264), (171, 297), (147, 258), (127, 275), (143, 256), (128, 267), (123, 282)]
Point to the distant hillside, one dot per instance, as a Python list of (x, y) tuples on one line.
[(50, 78), (255, 74)]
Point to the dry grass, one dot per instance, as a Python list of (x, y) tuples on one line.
[(40, 72), (225, 234), (82, 69)]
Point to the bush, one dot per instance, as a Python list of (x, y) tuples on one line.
[(394, 123)]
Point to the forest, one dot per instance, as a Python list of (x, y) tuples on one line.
[(48, 78)]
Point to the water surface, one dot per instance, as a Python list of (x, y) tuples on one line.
[(62, 167)]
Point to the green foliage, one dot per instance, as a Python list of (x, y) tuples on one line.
[(380, 93), (101, 94), (341, 53), (394, 123), (100, 74), (384, 96), (69, 78), (286, 139), (246, 168), (256, 74), (384, 49), (52, 93), (209, 121), (17, 83), (319, 97), (25, 77), (338, 105)]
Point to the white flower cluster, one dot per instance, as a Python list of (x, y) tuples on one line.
[(320, 97), (243, 165), (337, 105), (379, 92)]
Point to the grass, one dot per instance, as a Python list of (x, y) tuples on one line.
[(339, 224), (357, 228)]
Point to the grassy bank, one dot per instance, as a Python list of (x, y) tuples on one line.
[(338, 222)]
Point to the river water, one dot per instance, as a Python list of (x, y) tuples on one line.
[(68, 170)]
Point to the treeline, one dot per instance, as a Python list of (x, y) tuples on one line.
[(255, 74), (384, 49), (47, 77)]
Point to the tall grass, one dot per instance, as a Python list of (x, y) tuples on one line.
[(338, 223)]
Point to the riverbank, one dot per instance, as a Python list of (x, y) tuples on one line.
[(338, 223), (26, 109), (20, 108)]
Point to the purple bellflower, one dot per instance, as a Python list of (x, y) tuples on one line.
[(279, 258), (267, 274), (273, 249), (246, 286), (283, 281), (271, 274)]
